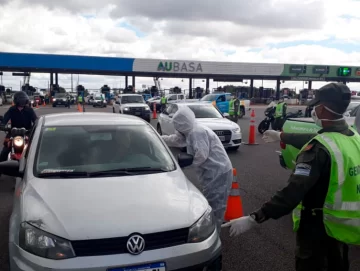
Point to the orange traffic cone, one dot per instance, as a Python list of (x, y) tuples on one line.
[(44, 103), (234, 204), (154, 111), (252, 130), (37, 105)]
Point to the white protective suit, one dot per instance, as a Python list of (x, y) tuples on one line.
[(211, 162)]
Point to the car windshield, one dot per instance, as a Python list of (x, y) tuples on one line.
[(60, 95), (132, 99), (209, 97), (99, 148), (97, 98), (205, 112)]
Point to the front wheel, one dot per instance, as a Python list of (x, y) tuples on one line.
[(263, 126)]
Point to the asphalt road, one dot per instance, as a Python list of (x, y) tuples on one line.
[(269, 247)]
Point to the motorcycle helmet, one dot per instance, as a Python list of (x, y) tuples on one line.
[(21, 99)]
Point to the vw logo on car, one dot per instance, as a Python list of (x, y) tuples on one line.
[(136, 244)]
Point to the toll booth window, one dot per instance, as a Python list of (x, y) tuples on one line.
[(100, 148)]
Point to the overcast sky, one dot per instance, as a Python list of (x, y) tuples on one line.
[(270, 31)]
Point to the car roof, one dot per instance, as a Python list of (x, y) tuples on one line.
[(128, 94), (90, 118), (194, 103)]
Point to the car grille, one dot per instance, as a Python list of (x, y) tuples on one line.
[(226, 133), (136, 109), (111, 246)]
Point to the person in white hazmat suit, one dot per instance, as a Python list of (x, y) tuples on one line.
[(211, 162)]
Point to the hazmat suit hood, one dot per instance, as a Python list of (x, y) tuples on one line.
[(184, 120)]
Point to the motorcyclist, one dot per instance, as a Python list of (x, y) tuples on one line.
[(211, 162), (280, 113), (21, 116)]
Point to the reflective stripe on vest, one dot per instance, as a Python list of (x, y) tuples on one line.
[(231, 107), (341, 211), (279, 110)]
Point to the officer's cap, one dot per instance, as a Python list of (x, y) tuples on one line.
[(336, 96)]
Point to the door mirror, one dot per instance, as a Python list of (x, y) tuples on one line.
[(226, 115), (11, 168), (185, 159)]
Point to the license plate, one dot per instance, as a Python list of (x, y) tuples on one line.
[(222, 138), (145, 267), (137, 113)]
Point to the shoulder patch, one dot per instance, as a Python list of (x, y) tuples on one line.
[(302, 169)]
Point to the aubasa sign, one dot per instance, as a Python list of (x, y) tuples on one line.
[(179, 67)]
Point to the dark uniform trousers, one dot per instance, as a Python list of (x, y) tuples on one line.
[(318, 254)]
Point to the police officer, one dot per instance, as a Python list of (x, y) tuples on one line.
[(234, 109), (163, 102), (68, 101), (21, 116), (280, 113), (323, 191)]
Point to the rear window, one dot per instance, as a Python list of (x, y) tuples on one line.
[(100, 148)]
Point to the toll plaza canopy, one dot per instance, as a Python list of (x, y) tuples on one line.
[(219, 71)]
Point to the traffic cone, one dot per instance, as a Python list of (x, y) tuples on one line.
[(234, 207), (154, 111), (44, 103), (37, 105), (252, 130)]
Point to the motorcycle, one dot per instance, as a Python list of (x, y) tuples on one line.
[(264, 125), (17, 142)]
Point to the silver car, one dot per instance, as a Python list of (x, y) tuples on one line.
[(102, 192)]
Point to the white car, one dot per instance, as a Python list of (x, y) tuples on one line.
[(132, 104), (228, 131), (120, 202)]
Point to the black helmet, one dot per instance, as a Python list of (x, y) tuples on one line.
[(21, 98)]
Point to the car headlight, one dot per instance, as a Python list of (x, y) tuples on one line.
[(236, 131), (44, 244), (126, 108), (203, 228), (32, 102), (147, 108), (54, 99), (18, 141)]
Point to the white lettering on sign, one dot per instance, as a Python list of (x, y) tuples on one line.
[(303, 129)]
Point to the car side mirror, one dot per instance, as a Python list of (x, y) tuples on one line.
[(11, 168), (226, 115), (185, 159)]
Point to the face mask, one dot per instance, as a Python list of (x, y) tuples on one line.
[(318, 121)]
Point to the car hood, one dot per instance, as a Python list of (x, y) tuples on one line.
[(218, 124), (80, 209), (135, 105)]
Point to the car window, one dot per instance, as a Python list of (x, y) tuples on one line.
[(181, 97), (228, 98), (100, 148), (132, 99), (174, 108), (205, 112), (221, 98), (209, 97), (169, 108), (172, 98)]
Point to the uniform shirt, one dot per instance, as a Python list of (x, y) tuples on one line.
[(307, 184), (20, 118)]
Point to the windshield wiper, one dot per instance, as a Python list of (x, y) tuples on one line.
[(128, 171), (64, 174)]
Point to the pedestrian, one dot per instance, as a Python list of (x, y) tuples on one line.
[(323, 191), (68, 101), (211, 162)]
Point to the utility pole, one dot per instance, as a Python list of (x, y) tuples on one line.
[(72, 89)]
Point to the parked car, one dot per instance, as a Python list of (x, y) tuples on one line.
[(107, 196), (208, 115), (98, 102)]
